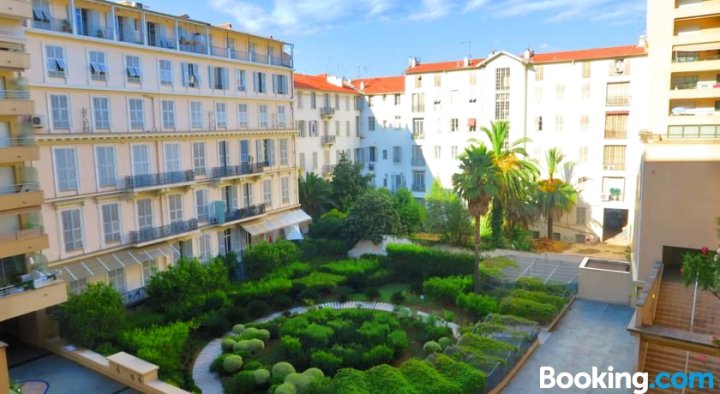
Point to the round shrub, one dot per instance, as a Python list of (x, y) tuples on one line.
[(252, 365), (282, 369), (285, 388), (227, 344), (315, 373), (232, 363), (255, 345), (445, 342), (238, 328), (241, 347), (215, 300), (236, 313), (432, 347), (258, 308), (262, 376), (291, 345), (217, 364), (244, 382), (256, 333), (302, 383), (398, 339)]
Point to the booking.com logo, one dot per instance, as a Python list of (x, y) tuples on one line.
[(638, 381)]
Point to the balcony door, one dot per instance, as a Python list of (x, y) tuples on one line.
[(140, 159)]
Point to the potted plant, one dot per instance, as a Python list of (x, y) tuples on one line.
[(615, 194), (66, 26)]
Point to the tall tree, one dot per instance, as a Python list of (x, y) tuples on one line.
[(516, 174), (447, 215), (410, 212), (315, 193), (348, 183), (371, 216), (477, 183), (554, 196)]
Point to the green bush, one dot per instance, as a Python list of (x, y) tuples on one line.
[(227, 344), (385, 379), (447, 289), (313, 248), (321, 281), (315, 373), (398, 339), (329, 225), (238, 329), (291, 345), (445, 342), (217, 364), (291, 271), (373, 332), (326, 361), (215, 325), (486, 345), (378, 354), (316, 335), (280, 370), (539, 296), (468, 378), (285, 388), (426, 379), (263, 288), (535, 284), (478, 305), (232, 363), (160, 345), (431, 347), (357, 272), (244, 382), (521, 307), (262, 376), (397, 297), (414, 264), (255, 345), (371, 292), (264, 257), (351, 381), (255, 333), (236, 314), (92, 317), (258, 308)]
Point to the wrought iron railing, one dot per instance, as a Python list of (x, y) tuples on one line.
[(168, 230), (327, 111), (328, 139), (53, 24), (243, 213), (159, 179), (242, 169)]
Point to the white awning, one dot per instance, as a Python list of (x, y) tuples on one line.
[(292, 233), (104, 263), (276, 221), (709, 46)]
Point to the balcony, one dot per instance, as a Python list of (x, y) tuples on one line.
[(328, 170), (238, 171), (23, 241), (704, 8), (694, 132), (617, 101), (701, 90), (13, 56), (218, 51), (20, 196), (418, 135), (418, 162), (160, 179), (198, 44), (239, 55), (16, 9), (16, 103), (327, 112), (53, 24), (163, 42), (96, 31), (18, 300), (17, 150), (244, 213), (328, 140), (418, 187), (131, 36), (698, 37), (157, 233)]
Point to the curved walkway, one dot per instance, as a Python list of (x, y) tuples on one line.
[(209, 382)]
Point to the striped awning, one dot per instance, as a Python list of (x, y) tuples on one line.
[(276, 221), (104, 263)]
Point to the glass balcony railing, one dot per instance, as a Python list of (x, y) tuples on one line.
[(242, 169), (96, 31), (168, 230), (52, 24), (163, 42), (159, 179), (131, 36)]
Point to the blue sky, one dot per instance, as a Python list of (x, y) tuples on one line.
[(375, 37)]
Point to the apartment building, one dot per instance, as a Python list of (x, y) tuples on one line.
[(27, 286), (679, 187), (159, 137), (326, 118)]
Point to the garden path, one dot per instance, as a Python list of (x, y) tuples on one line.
[(209, 382)]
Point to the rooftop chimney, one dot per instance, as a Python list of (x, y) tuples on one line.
[(466, 62), (642, 41), (528, 54), (227, 25), (413, 61)]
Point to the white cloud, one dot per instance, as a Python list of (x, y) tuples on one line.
[(432, 9), (562, 10)]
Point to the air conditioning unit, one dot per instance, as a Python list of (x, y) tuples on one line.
[(38, 121), (604, 197)]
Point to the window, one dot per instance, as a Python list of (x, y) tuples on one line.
[(300, 98), (144, 214), (282, 119), (539, 73), (616, 126), (98, 67), (218, 78), (221, 115), (454, 124), (196, 115), (583, 154), (454, 152), (168, 114), (397, 154), (267, 193), (201, 205), (140, 159), (586, 72), (243, 116), (538, 93), (614, 157), (397, 99), (313, 128), (77, 286), (106, 166), (472, 124), (55, 57), (263, 111), (313, 100), (244, 151), (137, 114), (241, 77), (347, 128), (223, 153), (111, 222), (315, 160), (259, 82), (502, 78), (66, 169), (337, 127), (150, 268), (371, 123), (437, 152), (613, 189), (419, 128), (580, 238), (539, 122), (166, 72), (101, 112), (438, 80), (269, 148), (502, 106), (190, 74), (285, 190), (585, 92), (418, 181), (618, 94), (372, 154), (418, 102), (559, 123), (133, 70), (472, 78), (72, 229), (175, 208), (580, 215), (560, 92), (60, 111), (280, 84), (205, 251), (384, 154), (116, 279), (684, 82), (172, 157), (584, 122), (198, 149), (301, 160), (283, 151), (300, 126), (418, 81)]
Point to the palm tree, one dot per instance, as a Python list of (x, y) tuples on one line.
[(516, 174), (476, 183), (554, 196), (314, 193)]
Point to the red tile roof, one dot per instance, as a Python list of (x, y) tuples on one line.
[(318, 82), (589, 54), (443, 66), (380, 85)]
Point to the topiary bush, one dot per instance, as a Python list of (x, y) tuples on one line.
[(316, 373), (255, 333), (528, 309), (227, 344), (285, 388), (445, 342), (468, 378), (244, 382), (447, 289), (264, 257), (414, 264), (280, 370), (262, 376), (431, 347), (539, 296), (238, 329), (426, 379), (386, 379), (232, 363), (478, 305), (303, 383)]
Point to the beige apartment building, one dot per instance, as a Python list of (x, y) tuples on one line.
[(679, 188)]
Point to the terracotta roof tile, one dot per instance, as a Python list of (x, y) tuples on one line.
[(454, 65), (380, 85), (589, 54), (319, 82)]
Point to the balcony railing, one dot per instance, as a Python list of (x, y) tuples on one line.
[(239, 55), (131, 36), (218, 51), (258, 58), (618, 101), (22, 234), (328, 170), (694, 131), (168, 230), (192, 45), (418, 162), (328, 139), (15, 94), (242, 169), (19, 188), (327, 112), (17, 141), (418, 187), (163, 42), (163, 178), (52, 24), (96, 31), (243, 213), (133, 297)]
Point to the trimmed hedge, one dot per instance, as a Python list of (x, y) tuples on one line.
[(447, 289), (477, 304), (264, 288), (321, 281), (385, 379), (264, 257), (528, 309), (535, 284), (426, 379), (539, 296), (413, 263), (468, 378)]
